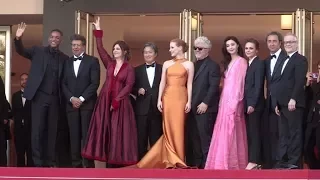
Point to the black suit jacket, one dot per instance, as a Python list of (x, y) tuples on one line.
[(273, 80), (293, 81), (21, 112), (254, 85), (205, 86), (151, 96), (3, 104), (85, 84), (39, 62)]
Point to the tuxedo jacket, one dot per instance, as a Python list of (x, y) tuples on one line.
[(273, 81), (84, 84), (205, 86), (3, 105), (39, 57), (293, 81), (143, 102), (254, 85), (21, 113)]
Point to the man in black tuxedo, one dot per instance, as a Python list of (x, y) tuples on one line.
[(270, 133), (21, 111), (3, 115), (43, 89), (290, 105), (254, 102), (80, 83), (204, 107), (146, 89)]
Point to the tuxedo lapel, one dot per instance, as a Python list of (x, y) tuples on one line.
[(204, 64), (45, 59), (82, 64), (268, 68), (71, 67), (253, 63), (60, 61), (279, 63), (145, 75), (20, 99), (156, 75), (289, 62)]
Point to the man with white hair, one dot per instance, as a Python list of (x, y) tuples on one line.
[(205, 102), (290, 105)]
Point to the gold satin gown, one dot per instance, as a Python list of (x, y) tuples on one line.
[(168, 151)]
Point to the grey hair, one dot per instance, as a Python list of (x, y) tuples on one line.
[(203, 40), (291, 34)]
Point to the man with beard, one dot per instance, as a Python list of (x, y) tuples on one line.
[(43, 89), (270, 125), (204, 107)]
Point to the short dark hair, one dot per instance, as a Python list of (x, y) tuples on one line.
[(253, 41), (275, 33), (78, 37), (24, 74), (125, 49), (152, 46), (57, 30)]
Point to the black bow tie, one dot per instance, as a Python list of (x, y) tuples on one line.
[(273, 56), (150, 65), (78, 58)]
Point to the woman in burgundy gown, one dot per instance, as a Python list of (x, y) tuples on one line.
[(112, 135)]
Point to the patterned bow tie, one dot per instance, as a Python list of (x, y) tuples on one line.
[(78, 58), (150, 65)]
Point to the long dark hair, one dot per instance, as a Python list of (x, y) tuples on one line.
[(226, 56)]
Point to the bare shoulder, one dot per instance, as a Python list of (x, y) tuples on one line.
[(167, 63), (188, 63)]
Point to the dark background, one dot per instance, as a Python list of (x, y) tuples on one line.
[(62, 15)]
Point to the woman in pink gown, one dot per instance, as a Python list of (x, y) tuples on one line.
[(228, 148)]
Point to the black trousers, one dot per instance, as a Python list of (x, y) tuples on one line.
[(270, 138), (312, 142), (3, 147), (45, 114), (290, 136), (199, 133), (149, 129), (23, 149), (79, 122), (253, 125)]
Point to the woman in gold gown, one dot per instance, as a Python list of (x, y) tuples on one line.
[(174, 102)]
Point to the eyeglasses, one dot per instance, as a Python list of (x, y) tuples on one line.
[(289, 42), (199, 48)]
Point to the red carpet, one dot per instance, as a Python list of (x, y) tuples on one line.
[(98, 174)]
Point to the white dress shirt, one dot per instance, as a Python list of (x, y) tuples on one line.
[(250, 61), (151, 74), (286, 62), (76, 65), (274, 61), (23, 98)]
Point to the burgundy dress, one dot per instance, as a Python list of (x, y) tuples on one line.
[(112, 135)]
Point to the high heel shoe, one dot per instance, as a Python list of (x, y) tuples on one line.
[(256, 167)]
